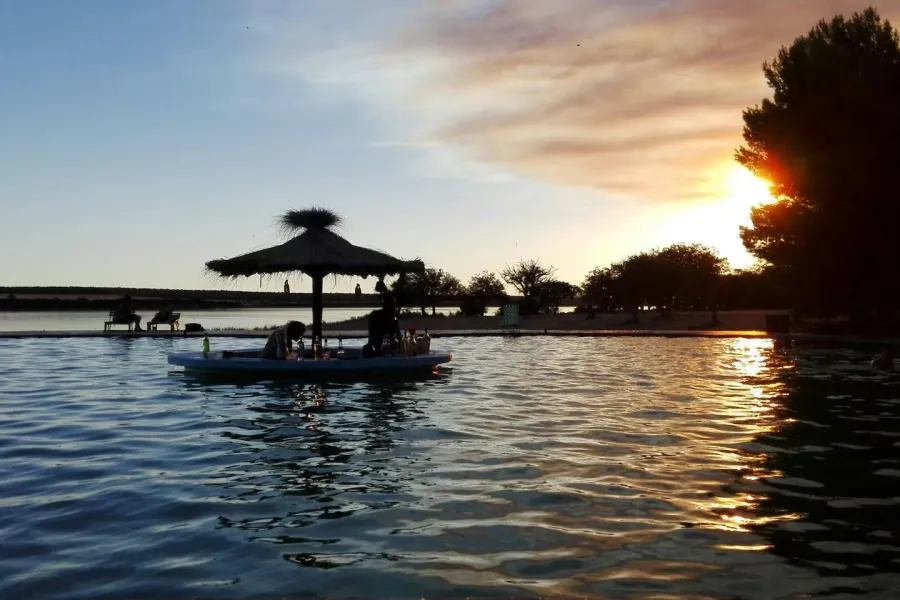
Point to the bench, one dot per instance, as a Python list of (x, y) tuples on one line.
[(171, 321), (107, 325)]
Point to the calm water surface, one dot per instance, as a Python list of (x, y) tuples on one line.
[(234, 318), (610, 468), (238, 318)]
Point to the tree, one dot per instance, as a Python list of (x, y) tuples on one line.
[(451, 286), (424, 289), (527, 277), (553, 292), (404, 290), (679, 276), (693, 271), (636, 281), (751, 289), (829, 142), (485, 286), (597, 289)]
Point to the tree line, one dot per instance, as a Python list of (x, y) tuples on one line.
[(678, 277), (536, 284)]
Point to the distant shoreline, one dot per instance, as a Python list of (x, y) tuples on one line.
[(729, 321), (37, 299)]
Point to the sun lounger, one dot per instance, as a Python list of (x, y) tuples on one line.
[(112, 320), (171, 320)]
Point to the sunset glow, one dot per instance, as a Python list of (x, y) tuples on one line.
[(716, 223), (612, 125), (746, 190)]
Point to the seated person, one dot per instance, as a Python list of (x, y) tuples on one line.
[(124, 313), (164, 315), (382, 322), (278, 346)]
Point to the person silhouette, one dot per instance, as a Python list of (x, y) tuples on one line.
[(382, 323)]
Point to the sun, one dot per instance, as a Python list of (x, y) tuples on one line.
[(744, 190), (716, 223)]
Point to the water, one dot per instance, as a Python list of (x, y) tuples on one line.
[(236, 318), (229, 318), (611, 468)]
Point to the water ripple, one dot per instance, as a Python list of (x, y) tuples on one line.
[(620, 468)]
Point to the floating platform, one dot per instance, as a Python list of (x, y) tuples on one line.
[(348, 361)]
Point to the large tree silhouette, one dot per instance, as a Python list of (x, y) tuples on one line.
[(683, 276), (424, 289), (528, 278), (829, 142)]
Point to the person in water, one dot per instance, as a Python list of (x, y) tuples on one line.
[(279, 344), (382, 322), (884, 362)]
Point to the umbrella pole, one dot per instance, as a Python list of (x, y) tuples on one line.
[(317, 307)]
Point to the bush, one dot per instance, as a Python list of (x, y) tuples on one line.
[(471, 307), (529, 306)]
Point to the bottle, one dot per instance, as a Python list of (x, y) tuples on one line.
[(402, 346), (427, 342), (340, 350), (205, 346), (317, 348), (301, 350)]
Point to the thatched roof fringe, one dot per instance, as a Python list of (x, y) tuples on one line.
[(317, 251)]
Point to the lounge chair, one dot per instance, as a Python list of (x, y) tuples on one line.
[(164, 318), (112, 320)]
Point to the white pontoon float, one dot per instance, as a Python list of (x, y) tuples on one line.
[(349, 361)]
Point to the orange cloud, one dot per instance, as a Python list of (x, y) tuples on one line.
[(641, 99)]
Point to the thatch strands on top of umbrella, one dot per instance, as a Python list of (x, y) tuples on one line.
[(317, 251)]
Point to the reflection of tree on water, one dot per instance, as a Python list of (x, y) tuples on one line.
[(319, 452), (828, 499)]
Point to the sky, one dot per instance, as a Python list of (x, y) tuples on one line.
[(140, 139)]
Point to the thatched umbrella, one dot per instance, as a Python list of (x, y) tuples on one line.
[(317, 251)]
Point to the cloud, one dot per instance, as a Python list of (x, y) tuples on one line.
[(637, 98)]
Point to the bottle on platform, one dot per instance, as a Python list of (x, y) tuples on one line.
[(205, 346)]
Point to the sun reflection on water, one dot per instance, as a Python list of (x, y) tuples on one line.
[(755, 395)]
